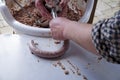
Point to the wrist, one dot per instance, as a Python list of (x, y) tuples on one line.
[(68, 30)]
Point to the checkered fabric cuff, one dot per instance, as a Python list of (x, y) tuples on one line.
[(106, 37)]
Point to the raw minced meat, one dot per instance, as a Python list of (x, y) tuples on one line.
[(31, 16)]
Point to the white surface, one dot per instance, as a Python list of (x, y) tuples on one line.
[(17, 63), (26, 29)]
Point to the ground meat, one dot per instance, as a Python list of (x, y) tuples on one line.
[(36, 20), (74, 16), (31, 19)]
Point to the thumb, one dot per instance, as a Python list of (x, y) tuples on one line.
[(57, 21)]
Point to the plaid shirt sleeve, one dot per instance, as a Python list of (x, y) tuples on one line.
[(106, 38)]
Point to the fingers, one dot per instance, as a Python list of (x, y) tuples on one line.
[(54, 22), (57, 27), (58, 35), (58, 21), (56, 32)]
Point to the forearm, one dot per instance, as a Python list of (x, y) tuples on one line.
[(81, 34)]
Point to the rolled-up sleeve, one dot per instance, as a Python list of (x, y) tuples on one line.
[(106, 38)]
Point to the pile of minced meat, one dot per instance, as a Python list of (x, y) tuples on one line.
[(31, 16)]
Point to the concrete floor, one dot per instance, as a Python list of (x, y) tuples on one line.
[(105, 9)]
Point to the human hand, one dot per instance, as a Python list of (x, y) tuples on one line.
[(64, 29), (42, 6), (58, 28)]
